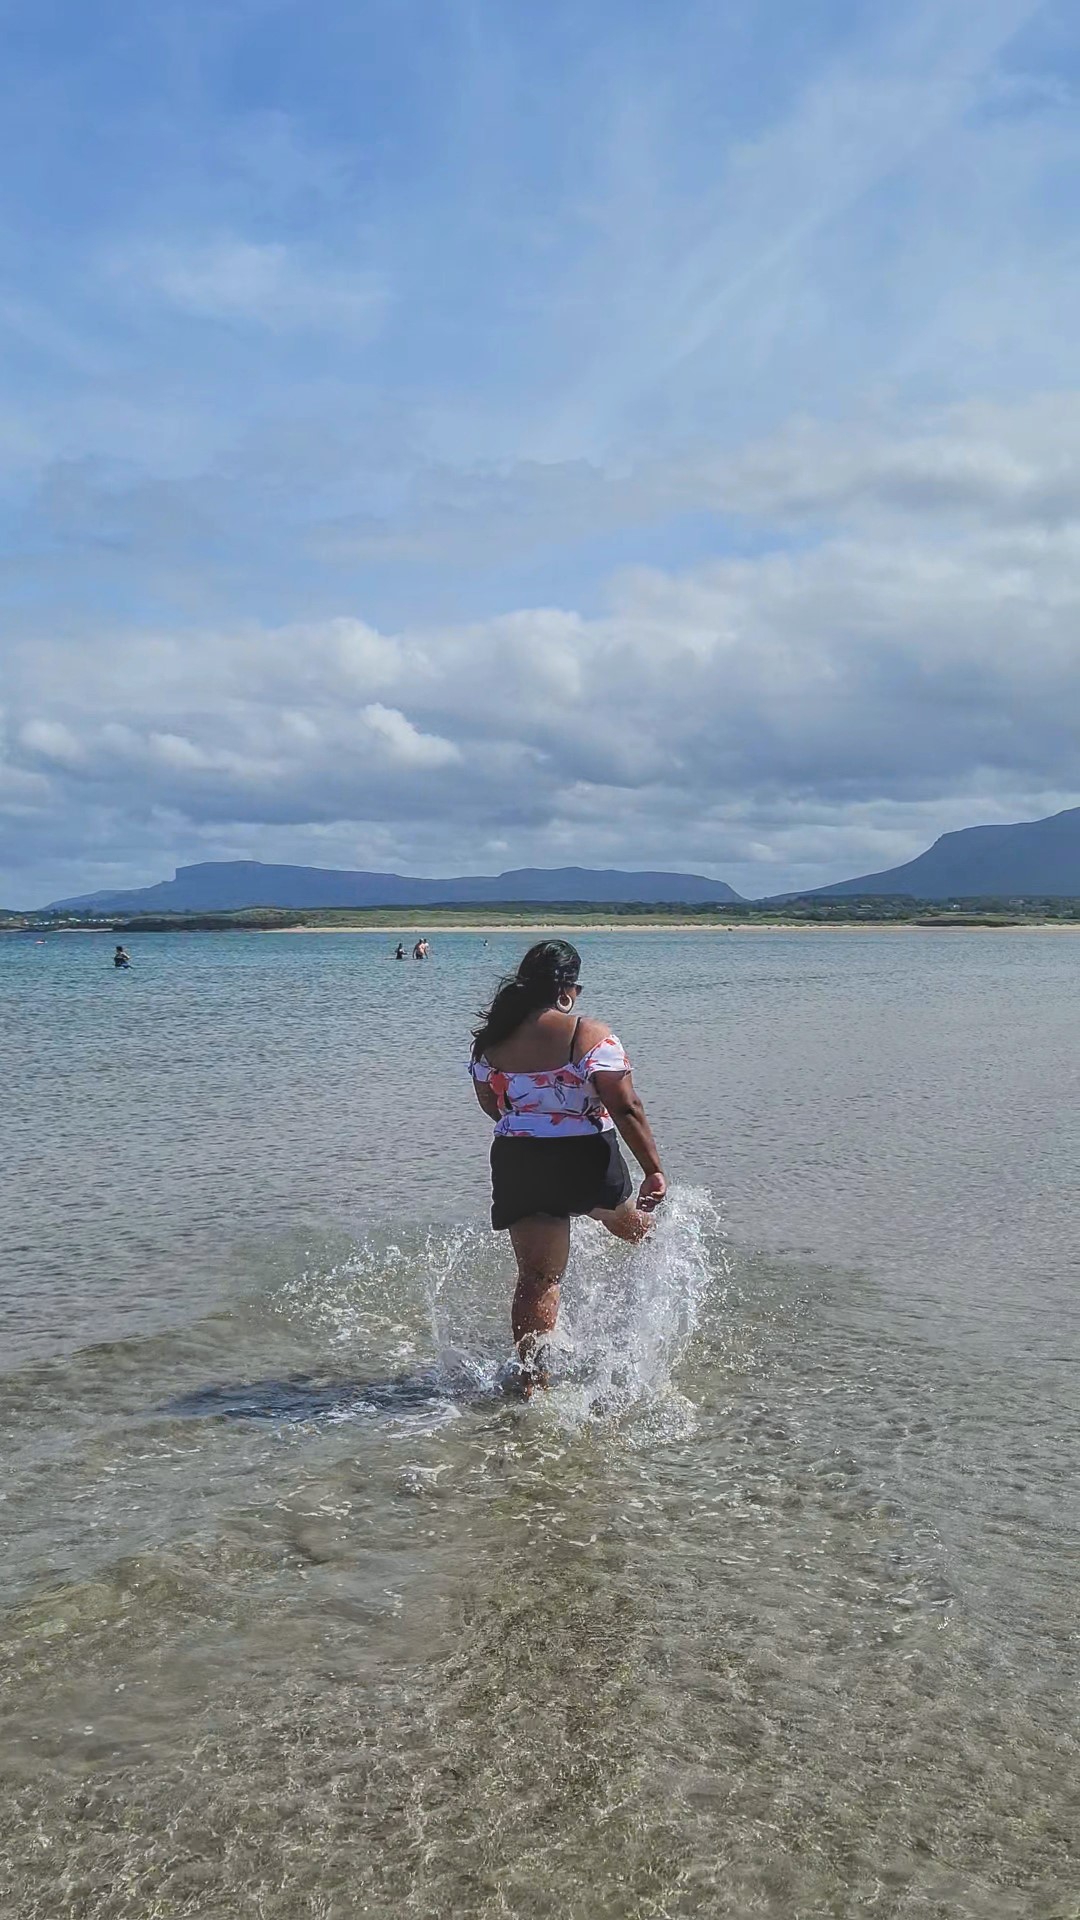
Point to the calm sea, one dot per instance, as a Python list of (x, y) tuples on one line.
[(769, 1608)]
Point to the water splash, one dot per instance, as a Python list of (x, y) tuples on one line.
[(630, 1313), (433, 1306)]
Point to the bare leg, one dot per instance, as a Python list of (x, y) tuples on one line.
[(627, 1222), (542, 1247)]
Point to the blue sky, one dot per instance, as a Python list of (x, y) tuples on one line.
[(452, 436)]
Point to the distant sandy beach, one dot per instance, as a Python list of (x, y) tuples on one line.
[(396, 929), (690, 926)]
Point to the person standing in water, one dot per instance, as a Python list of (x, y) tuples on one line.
[(400, 954), (121, 958), (421, 949), (560, 1091)]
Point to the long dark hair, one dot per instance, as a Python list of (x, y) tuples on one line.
[(545, 972)]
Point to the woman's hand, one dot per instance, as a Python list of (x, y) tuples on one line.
[(651, 1192)]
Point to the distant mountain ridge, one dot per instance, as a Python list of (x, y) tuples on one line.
[(1037, 858), (1032, 858), (222, 886)]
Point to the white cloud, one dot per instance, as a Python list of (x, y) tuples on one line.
[(175, 750), (405, 745), (810, 709), (52, 740), (976, 463), (264, 284), (982, 463)]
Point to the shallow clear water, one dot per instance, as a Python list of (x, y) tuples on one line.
[(768, 1608)]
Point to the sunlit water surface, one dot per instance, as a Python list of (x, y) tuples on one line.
[(768, 1608)]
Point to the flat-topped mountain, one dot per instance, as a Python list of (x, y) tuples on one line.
[(1033, 858), (1036, 858), (222, 886)]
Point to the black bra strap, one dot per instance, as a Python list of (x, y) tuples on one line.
[(573, 1041)]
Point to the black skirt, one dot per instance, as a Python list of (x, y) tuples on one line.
[(556, 1177)]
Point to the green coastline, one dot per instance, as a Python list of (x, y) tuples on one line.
[(806, 912)]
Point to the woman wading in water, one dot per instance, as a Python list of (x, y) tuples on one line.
[(557, 1086)]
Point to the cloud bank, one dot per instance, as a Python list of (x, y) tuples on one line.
[(906, 647)]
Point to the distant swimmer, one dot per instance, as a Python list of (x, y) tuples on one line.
[(421, 950), (121, 958), (400, 954), (560, 1091)]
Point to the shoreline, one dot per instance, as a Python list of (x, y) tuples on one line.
[(394, 929), (691, 926)]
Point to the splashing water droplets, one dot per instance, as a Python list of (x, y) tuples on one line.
[(630, 1312), (626, 1317), (627, 1314)]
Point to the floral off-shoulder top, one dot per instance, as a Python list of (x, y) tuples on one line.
[(559, 1103)]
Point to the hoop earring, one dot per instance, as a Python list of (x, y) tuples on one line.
[(568, 998)]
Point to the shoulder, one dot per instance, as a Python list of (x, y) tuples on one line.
[(598, 1050), (590, 1034)]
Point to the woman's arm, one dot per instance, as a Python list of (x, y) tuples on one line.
[(623, 1102), (487, 1100)]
